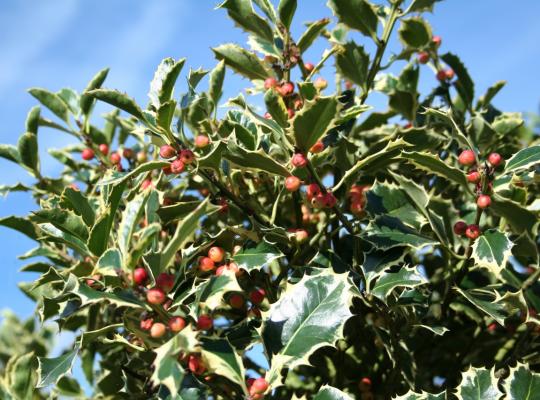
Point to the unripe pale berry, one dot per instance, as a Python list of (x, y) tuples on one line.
[(216, 254), (301, 235), (467, 157), (450, 74), (292, 183), (87, 154), (473, 177), (201, 141), (436, 40), (483, 201), (165, 282), (205, 322), (128, 153), (237, 301), (460, 227), (104, 149), (142, 156), (270, 83), (196, 365), (177, 166), (167, 151), (309, 66), (286, 89), (140, 276), (317, 147), (312, 190), (320, 83), (472, 231), (423, 57), (206, 264), (299, 160), (187, 156), (257, 296), (115, 158), (495, 159), (259, 386), (155, 296), (158, 330), (176, 324)]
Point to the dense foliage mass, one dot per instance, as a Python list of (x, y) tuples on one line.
[(374, 254)]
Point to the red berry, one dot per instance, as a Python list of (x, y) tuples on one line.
[(301, 235), (473, 177), (140, 276), (286, 89), (220, 270), (104, 149), (292, 183), (87, 154), (299, 160), (146, 324), (317, 147), (257, 296), (155, 296), (365, 384), (483, 201), (472, 231), (206, 264), (492, 327), (290, 113), (312, 190), (237, 301), (495, 159), (201, 141), (187, 156), (158, 330), (437, 40), (467, 157), (176, 324), (167, 151), (329, 200), (216, 254), (309, 66), (115, 158), (232, 266), (267, 115), (298, 104), (423, 57), (318, 201), (270, 83), (320, 83), (450, 74), (441, 75), (205, 322), (357, 207), (196, 365), (165, 282), (460, 227), (128, 153), (147, 183), (177, 166), (259, 386), (167, 170)]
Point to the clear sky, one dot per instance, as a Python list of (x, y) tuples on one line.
[(59, 43)]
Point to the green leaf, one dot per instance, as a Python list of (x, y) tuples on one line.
[(286, 10), (492, 250), (386, 232), (331, 393), (64, 220), (257, 160), (421, 396), (58, 235), (520, 219), (144, 240), (376, 261), (356, 14), (222, 359), (177, 211), (523, 159), (167, 369), (312, 32), (479, 384), (32, 120), (210, 294), (422, 5), (405, 277), (492, 91), (79, 203), (130, 219), (162, 85), (119, 100), (111, 259), (258, 257), (22, 376), (276, 107), (86, 101), (291, 331), (215, 85), (52, 101), (241, 61), (415, 32), (464, 84), (522, 384), (405, 103), (20, 224), (120, 178), (50, 370), (314, 120), (352, 61), (243, 14), (28, 151), (10, 152), (490, 302)]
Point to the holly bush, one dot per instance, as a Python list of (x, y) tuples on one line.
[(372, 254)]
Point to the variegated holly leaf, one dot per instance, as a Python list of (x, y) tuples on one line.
[(522, 384), (222, 359), (421, 396), (50, 370), (523, 159), (478, 384), (491, 250), (386, 232), (255, 258), (388, 281), (209, 295), (327, 392)]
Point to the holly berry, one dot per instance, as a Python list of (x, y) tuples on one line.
[(140, 276), (257, 296), (286, 89), (176, 324), (155, 296), (460, 227), (357, 207), (318, 201), (196, 365), (206, 264), (450, 74), (237, 301), (301, 235), (329, 200), (292, 183), (299, 160), (115, 158), (473, 177), (147, 183), (187, 156), (423, 57), (201, 141), (467, 157), (167, 151), (128, 153), (259, 386), (290, 113), (270, 83), (142, 156), (205, 322), (216, 254), (87, 154), (165, 281), (365, 384), (312, 190), (441, 75), (158, 330), (472, 231), (317, 147), (104, 149), (483, 201), (309, 66), (146, 324), (177, 166), (436, 40), (320, 83), (495, 159)]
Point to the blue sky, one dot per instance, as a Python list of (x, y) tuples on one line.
[(62, 43)]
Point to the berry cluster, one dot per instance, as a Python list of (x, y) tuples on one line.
[(115, 157), (181, 159), (423, 57)]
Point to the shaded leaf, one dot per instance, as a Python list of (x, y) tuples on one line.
[(356, 14), (405, 277)]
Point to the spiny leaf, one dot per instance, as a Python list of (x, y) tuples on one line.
[(257, 160), (522, 384), (479, 384), (327, 392), (222, 359), (464, 84), (523, 159), (50, 370), (405, 277), (243, 14), (415, 32), (313, 31), (162, 85), (356, 14), (255, 258), (120, 178), (492, 250), (52, 101), (118, 99), (242, 61), (86, 101), (352, 62)]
